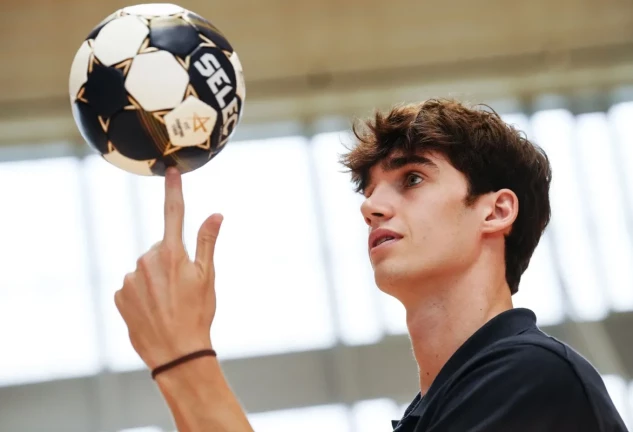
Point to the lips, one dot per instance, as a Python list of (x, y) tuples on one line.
[(382, 240), (382, 235)]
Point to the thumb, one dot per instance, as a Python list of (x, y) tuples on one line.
[(207, 237)]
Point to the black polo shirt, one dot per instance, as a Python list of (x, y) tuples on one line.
[(509, 376)]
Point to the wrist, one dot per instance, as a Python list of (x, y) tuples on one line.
[(200, 398), (160, 354), (189, 373), (177, 362)]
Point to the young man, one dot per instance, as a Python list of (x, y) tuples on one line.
[(456, 202)]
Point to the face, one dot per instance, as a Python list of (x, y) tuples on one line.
[(421, 229)]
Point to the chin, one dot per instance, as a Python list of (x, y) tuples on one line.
[(390, 277), (399, 276)]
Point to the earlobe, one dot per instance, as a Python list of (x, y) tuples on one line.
[(502, 212)]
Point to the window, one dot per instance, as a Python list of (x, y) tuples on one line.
[(346, 234), (271, 284), (554, 130), (375, 415), (115, 229), (143, 429), (539, 289), (619, 117), (331, 418), (618, 391), (605, 199), (46, 291), (630, 405)]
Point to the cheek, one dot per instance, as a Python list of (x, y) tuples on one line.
[(445, 225), (466, 232), (438, 218)]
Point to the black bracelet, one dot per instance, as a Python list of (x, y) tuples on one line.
[(183, 359)]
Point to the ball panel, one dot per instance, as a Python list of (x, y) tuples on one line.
[(157, 81), (119, 40), (213, 78), (216, 138), (186, 160), (95, 31), (153, 9), (230, 119), (89, 126), (79, 69), (138, 167), (239, 76), (190, 123), (105, 90), (209, 31), (138, 135), (173, 34)]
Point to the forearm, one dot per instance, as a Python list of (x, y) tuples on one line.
[(200, 398)]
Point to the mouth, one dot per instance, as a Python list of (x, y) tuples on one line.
[(382, 237), (383, 240)]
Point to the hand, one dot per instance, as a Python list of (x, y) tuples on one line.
[(168, 303)]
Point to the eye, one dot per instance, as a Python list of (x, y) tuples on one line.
[(366, 191), (412, 179)]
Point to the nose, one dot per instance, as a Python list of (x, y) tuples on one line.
[(376, 209)]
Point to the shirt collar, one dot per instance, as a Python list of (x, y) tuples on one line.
[(508, 323)]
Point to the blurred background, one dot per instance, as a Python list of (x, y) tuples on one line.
[(306, 339)]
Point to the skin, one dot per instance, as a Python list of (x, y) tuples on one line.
[(447, 269)]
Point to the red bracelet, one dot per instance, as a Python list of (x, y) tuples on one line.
[(183, 359)]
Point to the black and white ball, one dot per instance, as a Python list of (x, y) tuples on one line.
[(156, 85)]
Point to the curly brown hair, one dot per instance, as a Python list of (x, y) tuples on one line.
[(491, 154)]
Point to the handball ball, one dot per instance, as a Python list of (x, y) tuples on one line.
[(155, 85)]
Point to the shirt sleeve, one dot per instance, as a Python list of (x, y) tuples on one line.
[(521, 388)]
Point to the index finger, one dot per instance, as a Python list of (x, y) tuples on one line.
[(174, 208)]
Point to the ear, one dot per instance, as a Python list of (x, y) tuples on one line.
[(501, 212)]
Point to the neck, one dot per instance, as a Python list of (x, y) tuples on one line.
[(448, 312)]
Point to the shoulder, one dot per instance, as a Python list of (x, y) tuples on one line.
[(540, 363), (526, 354), (519, 384), (533, 365)]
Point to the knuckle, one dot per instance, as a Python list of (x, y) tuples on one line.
[(143, 263), (128, 280), (118, 300), (167, 253)]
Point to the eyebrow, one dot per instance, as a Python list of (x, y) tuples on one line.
[(396, 162)]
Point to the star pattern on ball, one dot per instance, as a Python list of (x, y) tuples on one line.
[(199, 123), (184, 62), (124, 66), (81, 95), (206, 42), (92, 62), (171, 149), (134, 105), (105, 123), (137, 120), (191, 92), (145, 48)]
